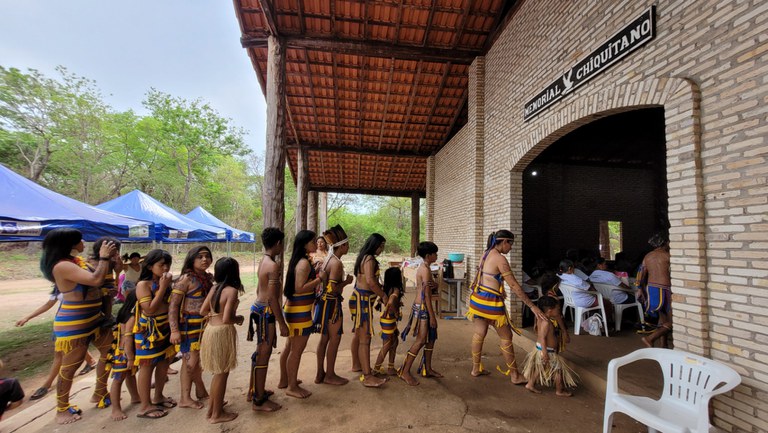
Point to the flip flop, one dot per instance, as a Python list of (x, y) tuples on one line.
[(155, 410), (39, 393)]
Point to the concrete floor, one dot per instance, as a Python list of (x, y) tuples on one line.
[(456, 403)]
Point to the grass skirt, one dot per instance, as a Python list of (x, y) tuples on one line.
[(218, 349), (545, 375)]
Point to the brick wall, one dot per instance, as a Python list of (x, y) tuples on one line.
[(708, 69)]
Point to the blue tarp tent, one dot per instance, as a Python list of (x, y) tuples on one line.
[(28, 212), (201, 215), (170, 226)]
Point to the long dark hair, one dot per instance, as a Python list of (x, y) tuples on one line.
[(393, 279), (97, 245), (153, 257), (372, 244), (189, 261), (493, 238), (57, 246), (299, 252), (126, 311), (226, 273)]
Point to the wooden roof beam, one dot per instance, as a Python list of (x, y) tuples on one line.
[(372, 191), (357, 151), (269, 15), (415, 86), (434, 107), (312, 92), (463, 23), (368, 48)]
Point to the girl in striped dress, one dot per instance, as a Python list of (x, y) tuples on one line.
[(123, 357), (392, 313), (151, 332), (300, 284)]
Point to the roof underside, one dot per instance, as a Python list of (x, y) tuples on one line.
[(372, 87)]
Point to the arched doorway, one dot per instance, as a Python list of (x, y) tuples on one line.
[(599, 190)]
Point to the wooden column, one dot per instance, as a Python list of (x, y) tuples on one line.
[(322, 211), (273, 190), (414, 223), (312, 212), (302, 188)]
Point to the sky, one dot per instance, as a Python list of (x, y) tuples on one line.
[(187, 48)]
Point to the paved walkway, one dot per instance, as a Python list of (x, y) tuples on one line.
[(456, 403)]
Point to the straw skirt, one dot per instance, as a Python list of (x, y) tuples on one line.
[(218, 349)]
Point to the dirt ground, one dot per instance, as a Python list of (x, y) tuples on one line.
[(456, 403)]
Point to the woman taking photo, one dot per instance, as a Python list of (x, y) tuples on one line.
[(77, 321)]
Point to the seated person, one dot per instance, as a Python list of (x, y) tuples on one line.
[(11, 394), (603, 275), (585, 295), (530, 286)]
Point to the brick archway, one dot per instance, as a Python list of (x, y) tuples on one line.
[(681, 100)]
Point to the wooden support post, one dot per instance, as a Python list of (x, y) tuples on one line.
[(273, 191), (414, 223), (322, 211), (312, 212), (302, 188)]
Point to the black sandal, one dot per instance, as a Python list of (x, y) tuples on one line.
[(39, 393)]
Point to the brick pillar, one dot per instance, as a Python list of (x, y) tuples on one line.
[(430, 225), (476, 123), (516, 254)]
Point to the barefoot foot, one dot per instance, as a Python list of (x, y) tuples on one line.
[(564, 394), (410, 380), (532, 388), (320, 377), (297, 392), (480, 372), (224, 417), (118, 415), (282, 385), (267, 406), (333, 379), (192, 404), (67, 418), (391, 371), (434, 374)]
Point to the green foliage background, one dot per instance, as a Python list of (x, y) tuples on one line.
[(60, 133)]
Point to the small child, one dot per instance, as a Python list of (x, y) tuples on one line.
[(544, 364), (123, 356), (218, 348), (393, 287), (423, 311), (11, 394)]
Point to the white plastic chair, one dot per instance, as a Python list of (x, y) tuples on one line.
[(690, 381), (580, 312), (618, 309)]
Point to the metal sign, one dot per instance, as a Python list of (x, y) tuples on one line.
[(633, 36)]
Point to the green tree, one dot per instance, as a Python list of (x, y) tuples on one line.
[(194, 136)]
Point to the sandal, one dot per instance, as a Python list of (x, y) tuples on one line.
[(87, 369), (39, 393)]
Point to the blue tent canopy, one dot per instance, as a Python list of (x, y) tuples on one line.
[(201, 215), (170, 226), (29, 211)]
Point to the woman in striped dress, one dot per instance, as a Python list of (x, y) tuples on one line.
[(486, 304), (300, 284), (77, 321)]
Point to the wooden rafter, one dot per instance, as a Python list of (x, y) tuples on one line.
[(300, 13), (434, 107), (455, 119), (333, 17), (429, 23), (368, 191), (360, 92), (269, 15), (414, 88), (368, 48), (354, 151), (312, 92), (359, 167), (336, 99), (463, 23), (386, 102)]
